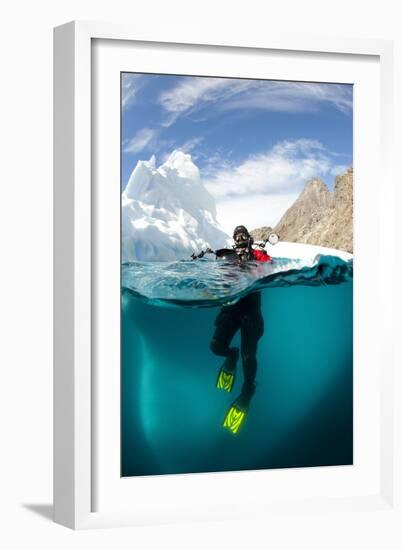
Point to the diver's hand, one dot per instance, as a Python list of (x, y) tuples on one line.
[(202, 253)]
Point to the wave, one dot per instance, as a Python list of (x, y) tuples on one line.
[(210, 283)]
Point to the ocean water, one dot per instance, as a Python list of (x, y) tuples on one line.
[(172, 413)]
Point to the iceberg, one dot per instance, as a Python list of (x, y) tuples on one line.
[(167, 213)]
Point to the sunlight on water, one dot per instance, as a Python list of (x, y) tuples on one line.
[(209, 283)]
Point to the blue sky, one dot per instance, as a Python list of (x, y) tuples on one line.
[(256, 142)]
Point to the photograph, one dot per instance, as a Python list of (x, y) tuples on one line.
[(236, 274)]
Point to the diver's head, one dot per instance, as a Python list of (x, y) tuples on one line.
[(241, 237)]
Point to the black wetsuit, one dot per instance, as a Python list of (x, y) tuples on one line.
[(246, 316)]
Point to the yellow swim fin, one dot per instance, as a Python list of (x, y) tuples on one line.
[(225, 380), (226, 374), (237, 413), (234, 418)]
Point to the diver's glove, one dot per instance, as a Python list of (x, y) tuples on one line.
[(201, 254)]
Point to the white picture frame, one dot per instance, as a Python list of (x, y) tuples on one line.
[(79, 310)]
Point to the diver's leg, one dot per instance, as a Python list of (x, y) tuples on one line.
[(252, 329), (226, 327), (250, 334)]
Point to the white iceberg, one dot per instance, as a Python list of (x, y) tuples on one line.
[(167, 213)]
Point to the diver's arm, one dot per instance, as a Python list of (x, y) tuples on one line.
[(202, 253)]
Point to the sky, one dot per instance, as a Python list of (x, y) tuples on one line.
[(255, 142)]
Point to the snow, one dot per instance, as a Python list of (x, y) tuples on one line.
[(167, 213), (305, 252)]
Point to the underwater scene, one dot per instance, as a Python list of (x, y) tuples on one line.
[(236, 274), (174, 406)]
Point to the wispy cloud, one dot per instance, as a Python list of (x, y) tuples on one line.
[(294, 97), (144, 138), (216, 162), (281, 169), (190, 144), (191, 95), (190, 91), (259, 190), (131, 85), (338, 169), (253, 211)]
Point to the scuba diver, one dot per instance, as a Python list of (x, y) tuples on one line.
[(245, 315)]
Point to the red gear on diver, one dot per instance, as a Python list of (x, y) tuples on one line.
[(261, 256)]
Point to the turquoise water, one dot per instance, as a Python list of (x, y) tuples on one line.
[(172, 414)]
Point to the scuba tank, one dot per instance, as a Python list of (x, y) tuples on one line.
[(226, 254)]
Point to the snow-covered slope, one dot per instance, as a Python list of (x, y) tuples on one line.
[(167, 213), (305, 252)]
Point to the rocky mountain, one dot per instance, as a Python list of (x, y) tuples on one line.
[(321, 217), (335, 228), (262, 233)]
